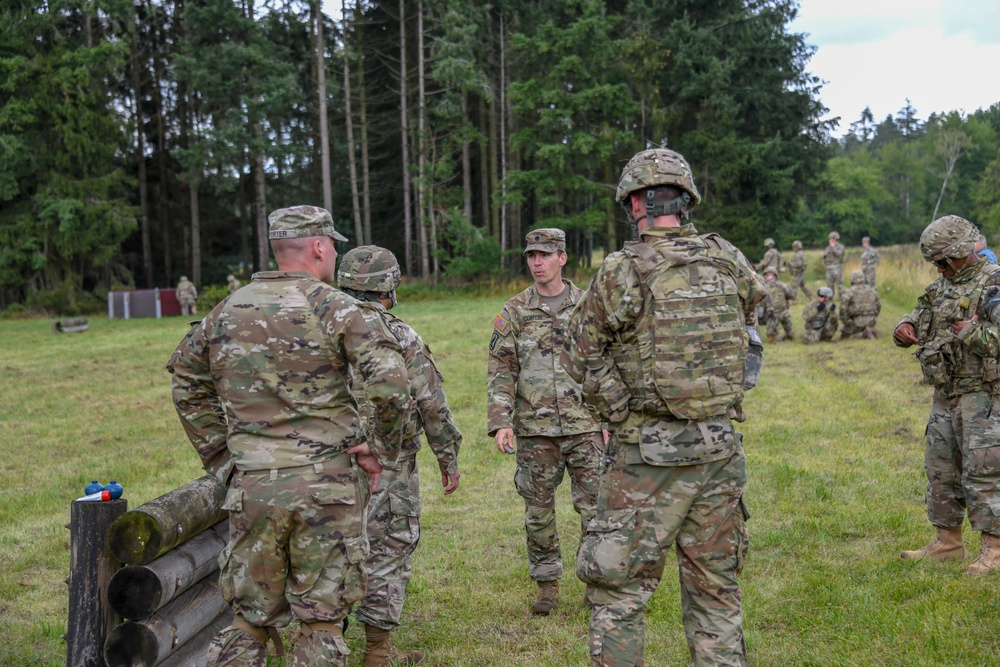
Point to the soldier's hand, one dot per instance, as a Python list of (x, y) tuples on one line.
[(505, 440), (367, 462), (606, 434), (450, 482), (905, 335), (956, 327)]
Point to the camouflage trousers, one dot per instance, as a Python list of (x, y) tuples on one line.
[(869, 274), (962, 461), (541, 463), (827, 333), (297, 546), (835, 279), (799, 283), (393, 533), (642, 511), (775, 318), (858, 327)]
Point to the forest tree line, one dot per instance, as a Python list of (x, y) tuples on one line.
[(145, 139)]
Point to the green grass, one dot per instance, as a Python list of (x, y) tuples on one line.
[(834, 447)]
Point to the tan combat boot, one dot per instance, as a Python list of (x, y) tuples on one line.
[(948, 544), (770, 338), (380, 653), (548, 595), (989, 556)]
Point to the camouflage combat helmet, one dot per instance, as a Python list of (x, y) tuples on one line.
[(796, 245), (834, 235), (652, 167), (857, 277), (369, 269), (950, 237), (825, 292), (773, 271), (768, 243)]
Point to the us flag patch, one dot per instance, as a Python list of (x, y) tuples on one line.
[(500, 323)]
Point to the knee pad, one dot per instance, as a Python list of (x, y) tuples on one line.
[(236, 647)]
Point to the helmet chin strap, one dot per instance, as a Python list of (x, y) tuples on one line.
[(654, 209)]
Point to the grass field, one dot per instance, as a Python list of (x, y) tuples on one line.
[(836, 491)]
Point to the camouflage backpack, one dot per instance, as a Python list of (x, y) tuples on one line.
[(864, 302), (687, 355)]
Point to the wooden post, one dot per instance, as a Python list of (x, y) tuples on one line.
[(156, 527), (137, 591), (90, 568), (146, 643)]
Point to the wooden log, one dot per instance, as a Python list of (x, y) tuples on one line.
[(137, 591), (145, 643), (91, 566), (193, 652), (141, 535)]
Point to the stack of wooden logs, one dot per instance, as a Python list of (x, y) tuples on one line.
[(168, 590)]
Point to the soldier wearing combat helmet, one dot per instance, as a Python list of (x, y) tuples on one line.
[(675, 470), (958, 347), (776, 306), (798, 265), (833, 257), (859, 309), (371, 275), (771, 257), (263, 389), (536, 409), (820, 317)]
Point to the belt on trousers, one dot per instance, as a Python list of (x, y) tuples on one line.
[(339, 460)]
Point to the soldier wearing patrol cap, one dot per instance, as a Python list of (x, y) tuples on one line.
[(833, 257), (958, 353), (371, 275), (660, 346), (263, 389), (530, 396)]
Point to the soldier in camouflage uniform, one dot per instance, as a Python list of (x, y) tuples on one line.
[(675, 469), (530, 396), (958, 353), (869, 261), (833, 257), (776, 306), (820, 317), (187, 296), (859, 307), (263, 389), (371, 274), (232, 283), (798, 265), (771, 257)]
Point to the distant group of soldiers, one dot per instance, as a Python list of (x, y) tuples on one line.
[(859, 304)]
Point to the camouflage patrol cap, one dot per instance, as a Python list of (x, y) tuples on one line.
[(300, 222), (769, 243), (948, 237), (825, 292), (369, 268), (773, 271), (865, 239), (835, 236), (183, 278), (547, 239), (796, 245), (657, 166), (857, 277)]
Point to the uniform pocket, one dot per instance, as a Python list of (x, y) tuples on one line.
[(233, 501), (608, 550)]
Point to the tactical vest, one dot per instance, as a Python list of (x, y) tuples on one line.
[(863, 302), (943, 359), (779, 301), (686, 355)]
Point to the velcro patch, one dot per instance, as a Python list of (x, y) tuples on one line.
[(501, 324)]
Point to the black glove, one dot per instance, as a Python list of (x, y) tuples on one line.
[(820, 307), (991, 299), (833, 307)]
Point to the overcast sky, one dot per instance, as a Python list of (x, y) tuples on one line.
[(943, 55)]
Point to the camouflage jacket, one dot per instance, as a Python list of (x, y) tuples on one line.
[(779, 294), (967, 362), (860, 301), (834, 255), (771, 258), (869, 257), (265, 378), (612, 308), (428, 411), (798, 263), (186, 291), (528, 389), (824, 320)]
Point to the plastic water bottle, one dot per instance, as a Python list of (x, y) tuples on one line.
[(93, 487), (116, 490)]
